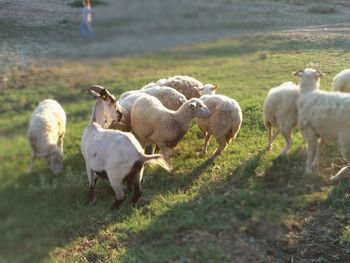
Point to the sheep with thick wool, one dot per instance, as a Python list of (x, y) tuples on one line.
[(323, 115), (341, 82), (169, 97), (152, 123), (188, 86), (280, 111), (46, 132), (224, 122)]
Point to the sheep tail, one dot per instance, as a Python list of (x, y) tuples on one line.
[(156, 159)]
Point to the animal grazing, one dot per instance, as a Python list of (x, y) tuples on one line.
[(224, 122), (116, 155), (152, 123), (323, 115), (46, 132), (280, 111)]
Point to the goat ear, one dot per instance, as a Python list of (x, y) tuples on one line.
[(298, 73), (103, 94), (93, 93), (193, 104), (319, 74)]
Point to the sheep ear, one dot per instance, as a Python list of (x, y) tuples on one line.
[(182, 100), (319, 74), (193, 104), (201, 88), (215, 87), (298, 73)]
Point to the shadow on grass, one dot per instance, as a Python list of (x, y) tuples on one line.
[(242, 218)]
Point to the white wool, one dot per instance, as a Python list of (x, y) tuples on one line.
[(324, 115), (224, 122), (280, 111), (341, 82), (188, 86), (152, 123), (46, 132)]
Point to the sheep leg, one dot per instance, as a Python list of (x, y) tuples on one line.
[(154, 146), (311, 143), (32, 160), (316, 163), (60, 143), (92, 183), (272, 137), (137, 184), (206, 142), (165, 152), (222, 146), (289, 142), (117, 185)]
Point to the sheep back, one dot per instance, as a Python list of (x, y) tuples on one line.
[(341, 82)]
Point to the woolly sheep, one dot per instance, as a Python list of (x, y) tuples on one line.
[(115, 155), (323, 115), (224, 122), (152, 123), (46, 132), (341, 82), (280, 111), (188, 86), (169, 97)]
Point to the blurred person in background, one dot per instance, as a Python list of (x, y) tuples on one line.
[(85, 28)]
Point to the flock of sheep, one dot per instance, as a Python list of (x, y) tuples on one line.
[(114, 142)]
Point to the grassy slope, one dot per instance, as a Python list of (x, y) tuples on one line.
[(247, 205)]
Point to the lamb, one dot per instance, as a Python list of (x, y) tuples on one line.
[(323, 115), (170, 98), (152, 123), (224, 122), (341, 82), (188, 86), (115, 155), (280, 111), (46, 132)]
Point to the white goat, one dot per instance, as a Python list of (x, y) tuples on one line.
[(341, 82), (46, 132), (323, 115), (280, 111), (224, 122), (152, 123), (116, 155)]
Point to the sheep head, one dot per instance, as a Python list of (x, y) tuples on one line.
[(54, 159), (309, 78), (209, 89), (200, 110)]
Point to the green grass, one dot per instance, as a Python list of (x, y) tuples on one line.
[(248, 205)]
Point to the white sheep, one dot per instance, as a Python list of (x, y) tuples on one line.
[(46, 132), (152, 123), (116, 155), (323, 115), (188, 86), (280, 111), (224, 122), (341, 82), (169, 97)]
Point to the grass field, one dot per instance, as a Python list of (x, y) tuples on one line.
[(247, 206)]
